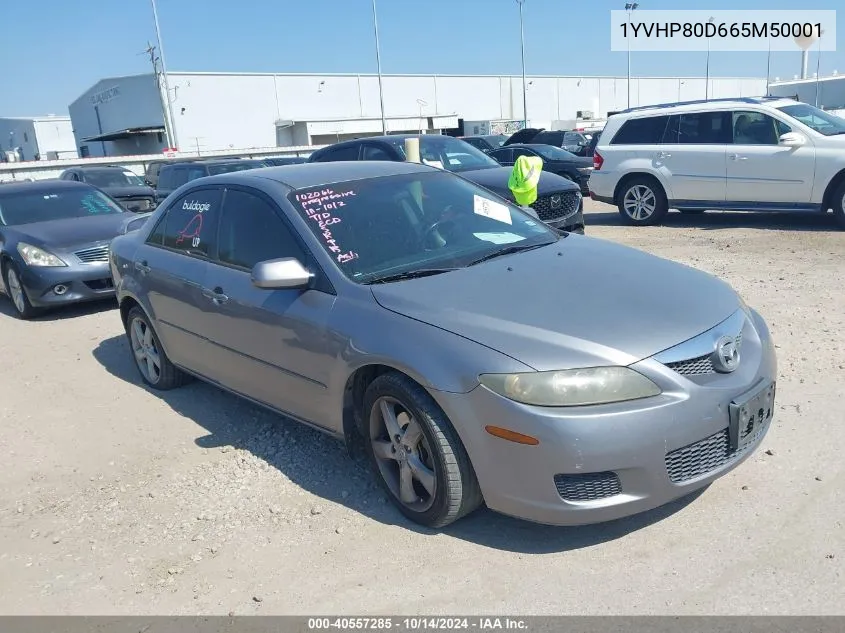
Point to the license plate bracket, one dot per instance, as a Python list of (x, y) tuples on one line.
[(749, 413)]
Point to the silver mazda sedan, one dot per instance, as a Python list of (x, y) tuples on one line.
[(481, 356)]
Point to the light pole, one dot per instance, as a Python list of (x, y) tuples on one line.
[(378, 63), (629, 7), (172, 140), (707, 66), (522, 48)]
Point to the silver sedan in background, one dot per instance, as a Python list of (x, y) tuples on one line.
[(412, 308)]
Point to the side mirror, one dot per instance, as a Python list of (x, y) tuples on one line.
[(277, 274), (792, 139)]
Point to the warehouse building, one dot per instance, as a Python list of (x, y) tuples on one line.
[(219, 111), (36, 138), (827, 93)]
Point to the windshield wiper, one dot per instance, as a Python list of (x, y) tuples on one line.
[(411, 274), (516, 248)]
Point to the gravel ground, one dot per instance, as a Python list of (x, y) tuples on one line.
[(117, 500)]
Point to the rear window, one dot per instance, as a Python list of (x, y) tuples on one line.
[(643, 131)]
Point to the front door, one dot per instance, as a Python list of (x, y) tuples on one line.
[(171, 267), (762, 171), (276, 346), (693, 155)]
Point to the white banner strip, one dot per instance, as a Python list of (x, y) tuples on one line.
[(693, 30)]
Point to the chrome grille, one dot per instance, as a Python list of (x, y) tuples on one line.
[(94, 254), (556, 206), (706, 455), (700, 365), (588, 486)]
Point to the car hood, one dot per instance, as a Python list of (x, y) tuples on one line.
[(70, 232), (132, 191), (617, 306), (496, 179)]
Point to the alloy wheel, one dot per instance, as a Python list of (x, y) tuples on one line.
[(15, 290), (145, 351), (403, 455), (639, 202)]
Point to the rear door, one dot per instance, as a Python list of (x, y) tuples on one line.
[(171, 268), (271, 345), (693, 155), (504, 156)]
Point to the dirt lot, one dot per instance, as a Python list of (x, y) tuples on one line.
[(117, 500)]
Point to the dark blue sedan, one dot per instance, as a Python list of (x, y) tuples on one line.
[(54, 243)]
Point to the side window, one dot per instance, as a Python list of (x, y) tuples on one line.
[(372, 152), (350, 152), (754, 128), (192, 173), (699, 128), (504, 155), (252, 231), (521, 151), (644, 131), (782, 128), (190, 222)]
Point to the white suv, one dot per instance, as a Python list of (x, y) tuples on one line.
[(748, 154)]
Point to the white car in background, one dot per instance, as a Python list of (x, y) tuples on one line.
[(748, 154)]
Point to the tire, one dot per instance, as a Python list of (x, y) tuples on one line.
[(143, 341), (427, 454), (653, 207), (839, 205), (17, 293), (691, 211)]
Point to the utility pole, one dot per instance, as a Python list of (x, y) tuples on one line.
[(151, 51), (378, 63), (522, 48), (172, 141)]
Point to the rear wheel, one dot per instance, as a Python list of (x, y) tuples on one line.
[(152, 362), (416, 453), (642, 201), (17, 293), (839, 205)]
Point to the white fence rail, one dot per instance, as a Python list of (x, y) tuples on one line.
[(44, 169)]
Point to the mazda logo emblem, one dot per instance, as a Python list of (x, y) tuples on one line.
[(726, 356), (555, 202)]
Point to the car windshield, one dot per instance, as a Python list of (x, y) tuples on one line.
[(550, 152), (448, 153), (53, 204), (819, 120), (105, 178), (496, 140), (239, 165), (414, 223)]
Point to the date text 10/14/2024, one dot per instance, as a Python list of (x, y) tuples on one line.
[(319, 206), (417, 623)]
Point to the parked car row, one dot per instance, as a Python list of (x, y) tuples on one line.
[(407, 308)]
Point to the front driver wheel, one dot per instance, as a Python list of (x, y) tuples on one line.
[(419, 459), (17, 293)]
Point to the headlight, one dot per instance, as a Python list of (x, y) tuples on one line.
[(572, 387), (34, 256)]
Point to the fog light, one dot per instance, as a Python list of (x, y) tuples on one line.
[(60, 289)]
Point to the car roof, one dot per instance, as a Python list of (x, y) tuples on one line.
[(304, 175), (42, 185), (100, 168), (708, 104)]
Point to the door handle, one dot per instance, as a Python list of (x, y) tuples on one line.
[(217, 295), (142, 267), (664, 155), (737, 157)]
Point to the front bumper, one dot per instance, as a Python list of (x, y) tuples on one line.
[(596, 464), (83, 282)]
